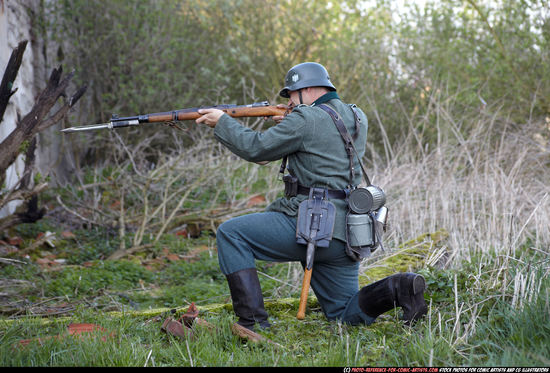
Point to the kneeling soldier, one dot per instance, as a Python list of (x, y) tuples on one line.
[(310, 143)]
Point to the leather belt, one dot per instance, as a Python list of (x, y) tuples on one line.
[(332, 193)]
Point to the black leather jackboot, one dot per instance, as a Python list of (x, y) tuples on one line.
[(248, 301), (405, 290)]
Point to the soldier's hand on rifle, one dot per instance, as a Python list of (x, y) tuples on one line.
[(288, 107), (210, 117)]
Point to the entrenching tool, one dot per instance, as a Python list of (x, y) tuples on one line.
[(314, 228)]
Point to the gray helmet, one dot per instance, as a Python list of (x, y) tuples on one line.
[(307, 74)]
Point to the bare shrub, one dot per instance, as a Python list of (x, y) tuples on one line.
[(490, 189), (191, 183)]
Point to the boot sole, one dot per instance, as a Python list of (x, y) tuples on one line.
[(418, 285)]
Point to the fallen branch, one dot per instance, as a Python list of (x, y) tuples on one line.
[(11, 261), (23, 194), (249, 335), (120, 253), (75, 213), (26, 213)]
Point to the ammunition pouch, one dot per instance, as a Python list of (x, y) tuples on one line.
[(291, 186)]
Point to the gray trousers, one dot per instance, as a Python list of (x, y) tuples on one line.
[(271, 236)]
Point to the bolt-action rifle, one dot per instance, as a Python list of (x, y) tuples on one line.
[(259, 109)]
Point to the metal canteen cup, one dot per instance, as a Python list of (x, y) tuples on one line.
[(362, 200)]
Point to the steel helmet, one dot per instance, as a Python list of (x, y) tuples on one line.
[(303, 75)]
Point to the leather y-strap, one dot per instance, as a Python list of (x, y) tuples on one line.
[(283, 166), (348, 142)]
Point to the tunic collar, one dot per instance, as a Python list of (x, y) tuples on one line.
[(325, 98)]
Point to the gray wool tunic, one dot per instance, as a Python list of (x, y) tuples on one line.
[(315, 150)]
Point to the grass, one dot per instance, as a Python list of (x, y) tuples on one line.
[(469, 323), (501, 341), (471, 214)]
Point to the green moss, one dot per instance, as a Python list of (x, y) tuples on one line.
[(410, 256), (23, 147)]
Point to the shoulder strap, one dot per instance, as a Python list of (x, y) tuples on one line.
[(283, 166), (348, 142)]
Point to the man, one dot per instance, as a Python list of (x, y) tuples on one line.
[(317, 157)]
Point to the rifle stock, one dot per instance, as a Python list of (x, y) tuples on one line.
[(260, 109), (242, 111)]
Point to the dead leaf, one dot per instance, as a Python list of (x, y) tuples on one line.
[(185, 325), (45, 262), (190, 316), (68, 235), (6, 248), (183, 233), (204, 323), (154, 264), (78, 330), (175, 328), (172, 257), (45, 237), (25, 342), (15, 241), (257, 199), (50, 237), (193, 255)]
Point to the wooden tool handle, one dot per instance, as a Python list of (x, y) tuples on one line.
[(303, 297)]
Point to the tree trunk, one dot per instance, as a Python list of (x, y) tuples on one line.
[(35, 120), (23, 136)]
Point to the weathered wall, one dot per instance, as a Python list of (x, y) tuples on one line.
[(54, 157), (15, 26)]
